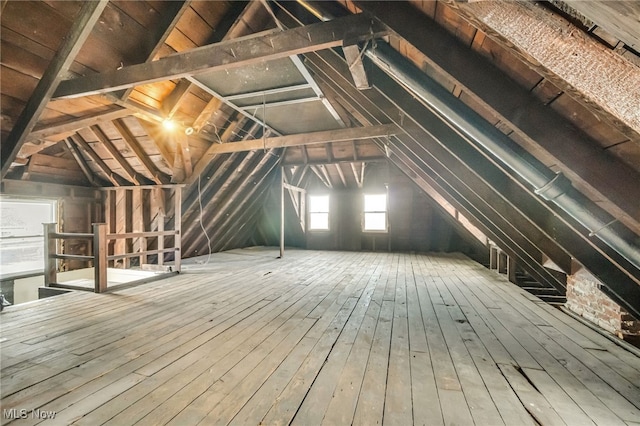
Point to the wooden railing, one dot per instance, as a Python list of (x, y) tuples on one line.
[(100, 257)]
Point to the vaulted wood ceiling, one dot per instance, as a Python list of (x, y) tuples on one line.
[(256, 85)]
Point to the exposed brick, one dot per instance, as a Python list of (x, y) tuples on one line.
[(585, 299)]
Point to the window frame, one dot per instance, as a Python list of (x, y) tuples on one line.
[(365, 211), (310, 212)]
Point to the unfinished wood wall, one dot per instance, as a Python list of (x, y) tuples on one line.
[(75, 215), (141, 210)]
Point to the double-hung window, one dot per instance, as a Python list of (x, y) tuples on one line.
[(375, 213), (318, 212)]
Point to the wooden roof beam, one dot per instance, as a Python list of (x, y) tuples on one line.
[(172, 15), (321, 176), (80, 30), (329, 151), (171, 103), (326, 174), (356, 176), (341, 174), (244, 51), (88, 173), (79, 140), (142, 156), (77, 123), (212, 106), (130, 173), (299, 175), (303, 139), (210, 153), (220, 33), (156, 136)]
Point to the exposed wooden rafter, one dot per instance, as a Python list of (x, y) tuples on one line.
[(232, 53), (82, 27), (171, 17), (81, 162), (299, 175), (154, 133), (341, 174), (75, 124), (321, 173), (185, 153), (129, 172), (82, 144), (142, 156), (210, 153), (171, 103), (308, 138)]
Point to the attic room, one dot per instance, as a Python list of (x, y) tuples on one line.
[(320, 212)]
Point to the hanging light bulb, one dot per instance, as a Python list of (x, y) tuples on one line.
[(168, 124)]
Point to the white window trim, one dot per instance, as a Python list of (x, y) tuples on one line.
[(386, 215), (311, 212)]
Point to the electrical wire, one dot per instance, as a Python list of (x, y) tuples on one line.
[(201, 225)]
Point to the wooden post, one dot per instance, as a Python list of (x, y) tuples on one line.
[(110, 219), (100, 257), (493, 257), (281, 212), (50, 263), (177, 199), (158, 196), (128, 225), (511, 269), (303, 211), (502, 262), (137, 206), (119, 227)]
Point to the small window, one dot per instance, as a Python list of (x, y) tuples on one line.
[(318, 212), (375, 212)]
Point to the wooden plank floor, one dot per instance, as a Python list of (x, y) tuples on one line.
[(314, 338)]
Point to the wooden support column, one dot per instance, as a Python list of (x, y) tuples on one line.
[(502, 262), (100, 257), (50, 263), (158, 212), (137, 205), (281, 212), (120, 226), (493, 257), (177, 200), (511, 269), (110, 217)]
